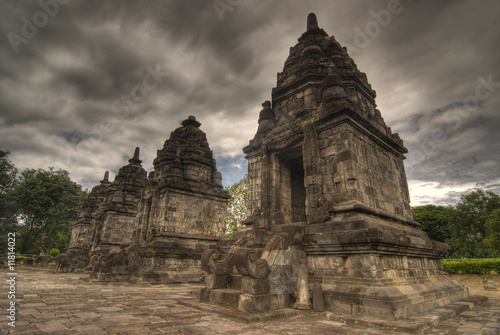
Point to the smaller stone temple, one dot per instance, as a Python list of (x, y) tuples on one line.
[(77, 256), (182, 211), (153, 228), (115, 218), (328, 202)]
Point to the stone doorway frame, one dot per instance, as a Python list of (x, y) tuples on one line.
[(292, 184)]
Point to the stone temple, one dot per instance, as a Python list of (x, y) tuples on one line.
[(182, 211), (107, 218), (328, 202), (328, 206), (77, 256), (116, 217), (153, 228)]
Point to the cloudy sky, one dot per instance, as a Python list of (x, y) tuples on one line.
[(82, 83)]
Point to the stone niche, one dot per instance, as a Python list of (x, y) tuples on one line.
[(77, 257), (327, 188)]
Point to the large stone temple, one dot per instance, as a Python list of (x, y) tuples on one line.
[(328, 202), (155, 227)]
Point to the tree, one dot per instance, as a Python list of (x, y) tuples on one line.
[(46, 203), (237, 206), (8, 173), (433, 220), (492, 241), (467, 224)]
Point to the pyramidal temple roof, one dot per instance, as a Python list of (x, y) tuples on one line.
[(319, 78)]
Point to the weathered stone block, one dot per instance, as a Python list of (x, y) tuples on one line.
[(215, 281), (254, 303), (254, 286)]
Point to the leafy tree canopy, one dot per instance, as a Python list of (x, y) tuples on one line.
[(46, 203), (471, 227), (467, 224), (493, 233), (237, 206), (8, 173), (433, 220)]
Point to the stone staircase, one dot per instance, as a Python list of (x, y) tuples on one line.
[(228, 296), (256, 274)]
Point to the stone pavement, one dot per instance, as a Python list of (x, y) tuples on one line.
[(62, 303)]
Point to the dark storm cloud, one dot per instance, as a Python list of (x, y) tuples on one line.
[(455, 146), (74, 96), (429, 67)]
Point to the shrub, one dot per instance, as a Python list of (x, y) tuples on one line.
[(472, 266), (32, 251), (54, 252)]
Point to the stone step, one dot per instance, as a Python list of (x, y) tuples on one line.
[(234, 282), (415, 324), (225, 297)]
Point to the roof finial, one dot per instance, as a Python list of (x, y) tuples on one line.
[(135, 159), (105, 179), (312, 21), (191, 121)]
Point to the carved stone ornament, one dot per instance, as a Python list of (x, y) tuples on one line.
[(214, 262), (250, 263)]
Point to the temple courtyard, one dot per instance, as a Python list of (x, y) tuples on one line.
[(48, 302)]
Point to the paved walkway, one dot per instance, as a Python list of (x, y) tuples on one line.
[(53, 303)]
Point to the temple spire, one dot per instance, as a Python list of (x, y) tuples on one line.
[(312, 21), (135, 159), (191, 121), (105, 179)]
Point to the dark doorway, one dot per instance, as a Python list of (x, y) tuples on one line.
[(298, 191)]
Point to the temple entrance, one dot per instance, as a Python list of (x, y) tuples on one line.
[(298, 191)]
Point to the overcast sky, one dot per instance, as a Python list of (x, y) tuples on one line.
[(82, 83)]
